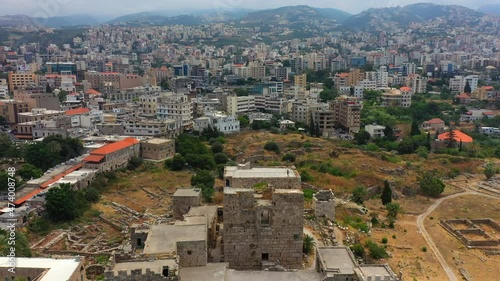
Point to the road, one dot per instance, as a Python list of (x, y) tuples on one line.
[(420, 224)]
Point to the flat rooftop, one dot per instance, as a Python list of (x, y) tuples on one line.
[(210, 272), (233, 190), (376, 270), (238, 172), (163, 238), (187, 192), (157, 141), (193, 220), (337, 259), (155, 266), (209, 211), (57, 269), (301, 275)]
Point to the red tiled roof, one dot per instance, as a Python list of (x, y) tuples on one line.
[(488, 88), (92, 92), (405, 89), (60, 176), (94, 158), (77, 111), (113, 147), (463, 96), (459, 136), (434, 121), (489, 113), (27, 196)]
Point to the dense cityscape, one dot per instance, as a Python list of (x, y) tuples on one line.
[(295, 143)]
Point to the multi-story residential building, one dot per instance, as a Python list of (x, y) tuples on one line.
[(325, 120), (396, 98), (57, 81), (108, 82), (301, 81), (375, 131), (4, 91), (257, 71), (417, 83), (38, 114), (177, 107), (457, 84), (9, 109), (240, 105), (37, 98), (348, 113), (21, 80), (43, 128), (341, 80), (153, 128), (217, 120), (281, 73)]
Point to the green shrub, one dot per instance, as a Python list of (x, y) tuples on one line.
[(424, 249), (375, 251), (288, 157), (384, 240), (358, 250), (308, 193), (306, 177), (272, 146)]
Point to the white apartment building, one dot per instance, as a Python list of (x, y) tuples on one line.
[(177, 107), (153, 128), (417, 83), (240, 105), (4, 91), (223, 123), (375, 131), (458, 83)]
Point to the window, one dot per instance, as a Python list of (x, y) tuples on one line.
[(190, 252), (265, 257)]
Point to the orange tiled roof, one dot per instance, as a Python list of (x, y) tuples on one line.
[(113, 147), (77, 111), (94, 158), (459, 136), (405, 89), (434, 121), (488, 88), (92, 92), (463, 96)]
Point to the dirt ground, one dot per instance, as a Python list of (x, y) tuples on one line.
[(478, 265)]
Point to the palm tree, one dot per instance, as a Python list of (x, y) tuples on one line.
[(308, 244)]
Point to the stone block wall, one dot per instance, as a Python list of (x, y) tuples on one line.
[(137, 275), (182, 204), (279, 183), (255, 234), (192, 253), (324, 204)]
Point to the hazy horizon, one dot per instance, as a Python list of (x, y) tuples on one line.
[(116, 8)]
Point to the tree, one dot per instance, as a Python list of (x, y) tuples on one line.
[(312, 129), (48, 89), (244, 121), (62, 203), (204, 178), (176, 164), (217, 147), (375, 251), (422, 151), (359, 194), (272, 146), (467, 88), (4, 180), (389, 134), (134, 163), (386, 193), (29, 171), (308, 244), (451, 138), (164, 84), (362, 137), (490, 170), (430, 183), (220, 158), (22, 248), (393, 210), (415, 130)]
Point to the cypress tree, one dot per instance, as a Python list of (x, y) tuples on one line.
[(386, 193)]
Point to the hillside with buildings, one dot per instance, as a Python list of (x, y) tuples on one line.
[(254, 145)]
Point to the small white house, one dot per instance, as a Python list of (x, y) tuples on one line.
[(375, 131)]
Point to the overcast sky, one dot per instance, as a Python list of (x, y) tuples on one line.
[(52, 8)]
